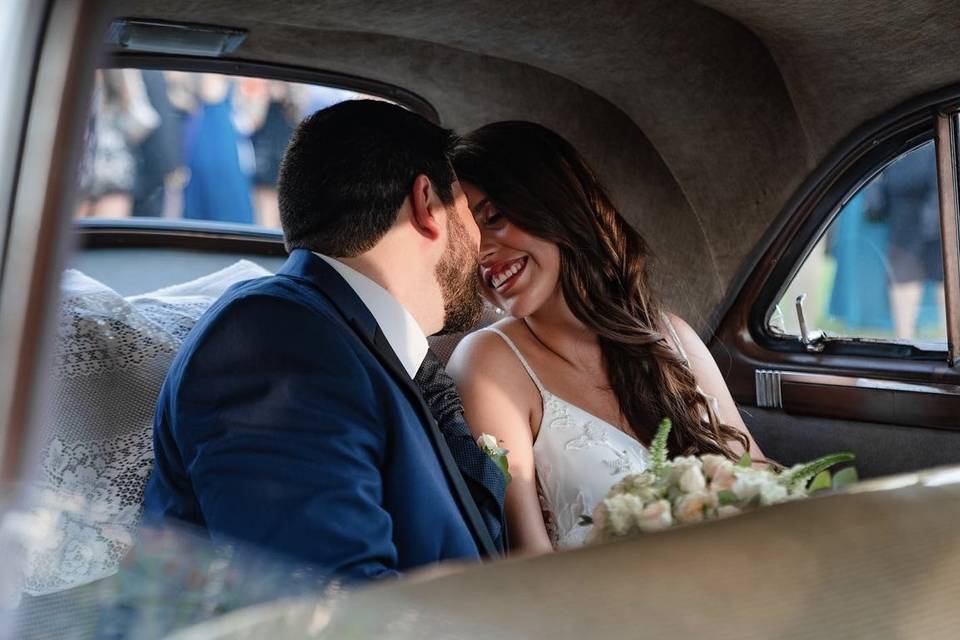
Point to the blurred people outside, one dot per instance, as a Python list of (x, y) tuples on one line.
[(177, 144), (275, 116), (858, 244), (219, 186), (122, 117), (905, 197), (158, 157), (885, 241)]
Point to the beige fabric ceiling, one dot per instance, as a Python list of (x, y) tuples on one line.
[(703, 120)]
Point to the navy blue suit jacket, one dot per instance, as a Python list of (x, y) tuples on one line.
[(286, 421)]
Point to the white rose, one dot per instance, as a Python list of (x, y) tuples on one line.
[(637, 481), (690, 508), (748, 483), (772, 492), (487, 442), (728, 510), (682, 463), (692, 480), (679, 465), (712, 463), (622, 512), (637, 484), (722, 479), (655, 516)]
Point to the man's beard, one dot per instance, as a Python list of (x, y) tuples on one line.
[(457, 276)]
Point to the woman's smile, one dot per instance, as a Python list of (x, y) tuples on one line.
[(500, 277)]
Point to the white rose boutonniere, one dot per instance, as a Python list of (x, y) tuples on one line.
[(490, 446)]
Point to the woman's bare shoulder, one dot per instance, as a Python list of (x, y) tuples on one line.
[(484, 354), (690, 340)]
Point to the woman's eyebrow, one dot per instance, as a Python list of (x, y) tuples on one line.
[(477, 208)]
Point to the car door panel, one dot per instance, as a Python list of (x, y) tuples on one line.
[(881, 449)]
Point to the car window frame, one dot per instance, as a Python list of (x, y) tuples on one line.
[(824, 204), (41, 190), (899, 384), (287, 73), (948, 168), (205, 234)]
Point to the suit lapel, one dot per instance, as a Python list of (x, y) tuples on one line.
[(305, 266), (380, 346)]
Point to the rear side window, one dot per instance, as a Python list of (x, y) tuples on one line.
[(195, 146), (877, 272)]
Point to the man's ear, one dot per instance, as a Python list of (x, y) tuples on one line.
[(424, 204)]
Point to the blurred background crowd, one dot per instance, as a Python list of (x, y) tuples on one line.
[(201, 146), (878, 271), (171, 144)]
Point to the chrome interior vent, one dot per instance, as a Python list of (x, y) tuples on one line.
[(768, 389)]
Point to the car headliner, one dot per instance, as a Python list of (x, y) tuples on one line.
[(703, 118)]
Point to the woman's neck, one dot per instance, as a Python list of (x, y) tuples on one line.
[(557, 330)]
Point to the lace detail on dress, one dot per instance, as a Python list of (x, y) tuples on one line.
[(555, 413), (578, 457)]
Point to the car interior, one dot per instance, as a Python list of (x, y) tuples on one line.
[(741, 139)]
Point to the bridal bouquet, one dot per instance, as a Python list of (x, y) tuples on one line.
[(689, 489)]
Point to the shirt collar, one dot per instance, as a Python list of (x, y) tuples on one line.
[(401, 330)]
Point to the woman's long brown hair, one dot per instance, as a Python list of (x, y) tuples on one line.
[(539, 182)]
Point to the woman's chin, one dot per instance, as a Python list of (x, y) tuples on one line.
[(515, 306)]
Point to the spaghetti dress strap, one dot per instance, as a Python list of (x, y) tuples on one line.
[(675, 337), (523, 361), (711, 400)]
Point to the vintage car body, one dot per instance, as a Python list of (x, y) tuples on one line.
[(730, 133)]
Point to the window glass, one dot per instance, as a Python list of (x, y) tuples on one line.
[(197, 146), (878, 270)]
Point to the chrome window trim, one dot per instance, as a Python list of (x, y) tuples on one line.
[(23, 22), (38, 228), (175, 225), (287, 73), (768, 388), (947, 131), (770, 381)]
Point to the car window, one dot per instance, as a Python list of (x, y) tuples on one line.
[(877, 272), (195, 146)]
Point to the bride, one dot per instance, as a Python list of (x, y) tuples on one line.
[(575, 380)]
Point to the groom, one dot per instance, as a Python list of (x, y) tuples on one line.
[(290, 418)]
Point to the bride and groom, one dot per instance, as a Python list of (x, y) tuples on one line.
[(306, 414)]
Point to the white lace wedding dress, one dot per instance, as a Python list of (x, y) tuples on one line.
[(578, 457)]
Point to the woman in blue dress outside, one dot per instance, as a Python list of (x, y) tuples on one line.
[(219, 187)]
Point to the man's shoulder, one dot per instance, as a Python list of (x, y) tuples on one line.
[(273, 289), (271, 294), (272, 313)]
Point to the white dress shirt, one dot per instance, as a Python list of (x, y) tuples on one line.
[(405, 336)]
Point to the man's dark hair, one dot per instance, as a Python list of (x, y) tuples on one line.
[(348, 169)]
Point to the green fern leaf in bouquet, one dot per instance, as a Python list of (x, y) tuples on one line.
[(658, 448), (797, 478)]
